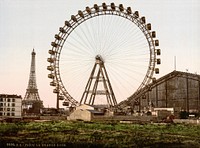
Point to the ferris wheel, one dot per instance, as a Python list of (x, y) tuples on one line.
[(102, 55)]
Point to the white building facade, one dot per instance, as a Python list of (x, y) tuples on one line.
[(10, 106)]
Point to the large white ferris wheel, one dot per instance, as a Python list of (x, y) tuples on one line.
[(102, 55)]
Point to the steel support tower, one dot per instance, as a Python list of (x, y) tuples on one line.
[(32, 95), (97, 76)]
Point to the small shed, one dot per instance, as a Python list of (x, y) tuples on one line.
[(84, 112), (81, 114)]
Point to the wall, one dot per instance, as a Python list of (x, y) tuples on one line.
[(80, 114)]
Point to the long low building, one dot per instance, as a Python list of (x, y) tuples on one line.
[(10, 106), (178, 90)]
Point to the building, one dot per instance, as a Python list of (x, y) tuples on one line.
[(10, 106), (179, 90)]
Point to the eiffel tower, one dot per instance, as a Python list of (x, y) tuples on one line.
[(98, 77), (31, 101)]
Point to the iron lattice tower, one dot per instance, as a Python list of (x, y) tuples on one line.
[(32, 91), (97, 76)]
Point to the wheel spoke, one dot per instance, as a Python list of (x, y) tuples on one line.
[(121, 39)]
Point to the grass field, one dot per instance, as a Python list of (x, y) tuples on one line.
[(82, 134)]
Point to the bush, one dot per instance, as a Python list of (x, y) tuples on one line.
[(9, 128)]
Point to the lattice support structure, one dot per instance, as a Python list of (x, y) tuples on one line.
[(97, 76), (32, 97)]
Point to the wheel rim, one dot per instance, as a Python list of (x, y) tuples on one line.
[(69, 41)]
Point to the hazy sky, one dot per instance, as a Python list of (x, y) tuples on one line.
[(28, 24)]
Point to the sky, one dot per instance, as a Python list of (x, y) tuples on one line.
[(27, 24)]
